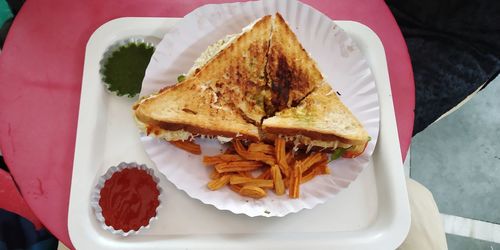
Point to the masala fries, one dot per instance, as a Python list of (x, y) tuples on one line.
[(213, 160), (280, 153), (311, 160), (261, 167), (237, 166), (218, 183), (188, 146), (279, 185), (263, 183), (252, 191), (261, 147), (294, 183), (255, 156)]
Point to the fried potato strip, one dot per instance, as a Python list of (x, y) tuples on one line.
[(188, 146), (251, 171)]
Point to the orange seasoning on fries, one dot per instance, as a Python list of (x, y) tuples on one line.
[(188, 146), (260, 168)]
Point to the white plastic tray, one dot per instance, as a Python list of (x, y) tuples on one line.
[(372, 213)]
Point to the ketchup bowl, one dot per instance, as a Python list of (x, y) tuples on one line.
[(126, 198)]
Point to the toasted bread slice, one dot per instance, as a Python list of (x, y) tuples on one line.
[(182, 112), (222, 98), (292, 74), (237, 73), (321, 119)]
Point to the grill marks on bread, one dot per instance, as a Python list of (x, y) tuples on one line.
[(291, 72), (237, 72), (281, 84)]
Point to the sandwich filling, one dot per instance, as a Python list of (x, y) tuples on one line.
[(299, 140), (169, 135)]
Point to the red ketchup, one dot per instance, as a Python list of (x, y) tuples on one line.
[(129, 199)]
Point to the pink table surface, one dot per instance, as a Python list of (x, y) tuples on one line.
[(41, 69)]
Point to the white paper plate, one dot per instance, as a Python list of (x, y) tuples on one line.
[(340, 61)]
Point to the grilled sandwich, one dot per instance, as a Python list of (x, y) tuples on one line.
[(256, 85)]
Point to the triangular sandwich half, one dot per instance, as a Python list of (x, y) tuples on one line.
[(223, 97), (309, 112), (182, 112), (321, 120)]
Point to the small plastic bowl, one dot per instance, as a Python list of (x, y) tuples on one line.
[(127, 73), (96, 197)]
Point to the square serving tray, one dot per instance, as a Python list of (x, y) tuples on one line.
[(372, 213)]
